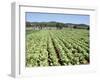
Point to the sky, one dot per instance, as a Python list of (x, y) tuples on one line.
[(64, 18)]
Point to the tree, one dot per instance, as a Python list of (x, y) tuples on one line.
[(59, 25), (75, 26), (88, 28), (28, 24)]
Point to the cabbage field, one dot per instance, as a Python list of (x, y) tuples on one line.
[(57, 47)]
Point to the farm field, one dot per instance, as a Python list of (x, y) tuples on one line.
[(57, 47)]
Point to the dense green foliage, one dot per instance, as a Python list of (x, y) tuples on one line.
[(57, 47)]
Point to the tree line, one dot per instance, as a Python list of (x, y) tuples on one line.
[(58, 25)]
